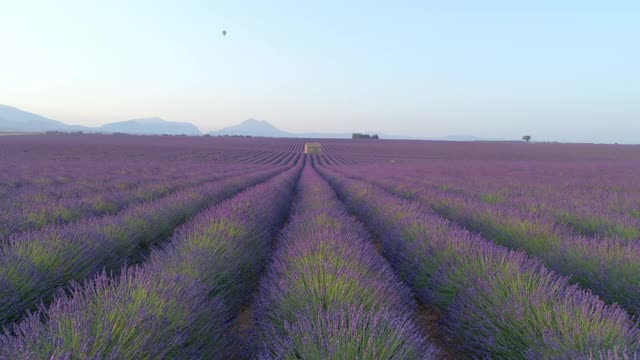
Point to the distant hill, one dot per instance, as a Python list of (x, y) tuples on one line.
[(19, 121), (16, 120), (151, 126), (252, 127)]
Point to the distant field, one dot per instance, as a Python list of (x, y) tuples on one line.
[(128, 247), (18, 133)]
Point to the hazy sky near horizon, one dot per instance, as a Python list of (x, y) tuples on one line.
[(557, 70)]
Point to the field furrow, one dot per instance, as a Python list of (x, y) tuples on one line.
[(608, 266), (33, 266), (328, 294), (179, 303), (501, 303), (95, 204), (118, 246)]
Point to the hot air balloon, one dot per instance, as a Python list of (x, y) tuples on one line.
[(224, 32)]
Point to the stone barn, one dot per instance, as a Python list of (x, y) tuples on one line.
[(312, 148)]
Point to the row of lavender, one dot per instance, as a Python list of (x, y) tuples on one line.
[(328, 294), (92, 188), (608, 266), (20, 179), (88, 177), (33, 265), (593, 199), (498, 302), (180, 302), (45, 174), (37, 209), (49, 163), (592, 189)]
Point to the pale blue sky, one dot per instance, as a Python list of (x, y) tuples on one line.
[(562, 70)]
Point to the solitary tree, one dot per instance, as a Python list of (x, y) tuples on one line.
[(360, 136), (526, 138)]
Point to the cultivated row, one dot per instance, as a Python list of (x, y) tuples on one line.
[(34, 265), (328, 294), (600, 200), (500, 303), (48, 210), (608, 266), (180, 302)]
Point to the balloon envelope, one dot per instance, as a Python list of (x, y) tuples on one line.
[(224, 32)]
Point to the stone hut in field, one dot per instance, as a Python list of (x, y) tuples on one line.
[(312, 148)]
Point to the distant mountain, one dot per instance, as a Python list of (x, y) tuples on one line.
[(16, 120), (150, 126), (252, 127)]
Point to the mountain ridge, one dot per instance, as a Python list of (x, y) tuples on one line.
[(253, 127), (151, 126), (13, 119)]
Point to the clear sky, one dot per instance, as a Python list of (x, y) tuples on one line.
[(560, 70)]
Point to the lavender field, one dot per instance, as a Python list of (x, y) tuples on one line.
[(175, 247)]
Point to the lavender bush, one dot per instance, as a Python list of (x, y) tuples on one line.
[(178, 304), (328, 293), (500, 302), (34, 265)]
